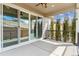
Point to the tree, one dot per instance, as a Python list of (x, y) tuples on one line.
[(65, 30), (58, 33), (73, 31), (52, 29)]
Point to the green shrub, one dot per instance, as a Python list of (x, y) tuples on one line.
[(65, 30), (73, 31), (52, 29)]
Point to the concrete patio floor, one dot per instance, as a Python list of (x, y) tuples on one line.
[(42, 48), (38, 48)]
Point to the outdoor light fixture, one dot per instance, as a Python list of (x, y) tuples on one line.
[(45, 5)]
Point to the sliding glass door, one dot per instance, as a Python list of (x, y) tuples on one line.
[(16, 26), (33, 26), (24, 26), (39, 25), (10, 26), (36, 27)]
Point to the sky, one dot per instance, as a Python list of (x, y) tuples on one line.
[(69, 14)]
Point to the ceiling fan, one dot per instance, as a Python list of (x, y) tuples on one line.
[(42, 4), (45, 5)]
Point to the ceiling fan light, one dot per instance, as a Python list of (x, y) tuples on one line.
[(52, 5)]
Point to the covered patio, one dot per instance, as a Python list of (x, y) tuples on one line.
[(31, 29)]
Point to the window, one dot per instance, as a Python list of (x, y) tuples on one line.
[(33, 26), (24, 26), (10, 26), (36, 27), (40, 23)]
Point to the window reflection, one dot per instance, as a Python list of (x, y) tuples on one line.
[(10, 24), (24, 26)]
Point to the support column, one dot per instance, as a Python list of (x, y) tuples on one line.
[(77, 22), (29, 27), (19, 34)]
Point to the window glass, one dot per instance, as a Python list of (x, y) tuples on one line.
[(10, 26), (24, 26)]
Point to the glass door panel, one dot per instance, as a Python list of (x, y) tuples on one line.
[(24, 26), (39, 27), (33, 26), (10, 26)]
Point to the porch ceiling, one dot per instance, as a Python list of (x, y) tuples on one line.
[(57, 7)]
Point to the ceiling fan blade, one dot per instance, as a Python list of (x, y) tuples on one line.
[(42, 4), (45, 5), (38, 4)]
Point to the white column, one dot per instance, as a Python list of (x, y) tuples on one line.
[(19, 34), (77, 24), (36, 27), (77, 21), (0, 25), (29, 27)]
